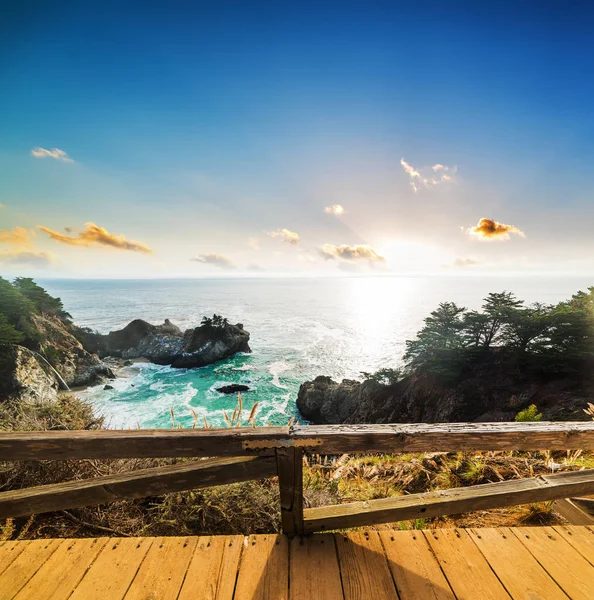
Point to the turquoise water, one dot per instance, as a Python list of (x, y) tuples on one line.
[(300, 328)]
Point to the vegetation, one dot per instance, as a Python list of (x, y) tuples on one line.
[(549, 338), (384, 376), (216, 322), (529, 414)]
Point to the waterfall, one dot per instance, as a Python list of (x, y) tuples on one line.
[(58, 376)]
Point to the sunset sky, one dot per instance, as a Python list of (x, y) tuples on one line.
[(269, 139)]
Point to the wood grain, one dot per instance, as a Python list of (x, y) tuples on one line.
[(572, 572), (134, 484), (363, 567), (330, 439), (264, 569), (213, 569), (581, 538), (415, 570), (516, 568), (451, 501), (315, 574), (290, 479), (464, 566)]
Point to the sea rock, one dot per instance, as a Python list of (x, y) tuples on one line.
[(166, 345), (233, 388), (24, 377), (108, 387)]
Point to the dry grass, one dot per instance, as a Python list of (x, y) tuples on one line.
[(253, 507)]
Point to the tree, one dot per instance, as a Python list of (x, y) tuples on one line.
[(8, 333), (13, 305), (440, 341), (497, 309), (44, 303), (528, 327)]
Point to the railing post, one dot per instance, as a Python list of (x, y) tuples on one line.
[(289, 462)]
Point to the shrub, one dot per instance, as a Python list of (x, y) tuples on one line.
[(529, 414)]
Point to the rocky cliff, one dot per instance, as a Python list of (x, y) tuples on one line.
[(166, 344), (488, 391)]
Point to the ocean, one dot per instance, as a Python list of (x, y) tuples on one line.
[(299, 328)]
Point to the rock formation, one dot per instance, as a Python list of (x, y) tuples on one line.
[(489, 391), (167, 345)]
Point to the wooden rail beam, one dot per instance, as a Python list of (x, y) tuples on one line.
[(322, 439), (448, 502), (134, 484)]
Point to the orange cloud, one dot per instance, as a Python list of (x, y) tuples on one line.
[(18, 258), (285, 235), (487, 229), (18, 236), (93, 234), (350, 253)]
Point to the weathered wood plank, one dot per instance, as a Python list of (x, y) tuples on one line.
[(446, 502), (290, 478), (163, 569), (415, 570), (363, 567), (134, 484), (572, 512), (264, 569), (581, 538), (25, 566), (443, 437), (60, 574), (113, 570), (8, 553), (330, 439), (213, 569), (315, 574), (141, 443), (516, 568), (464, 566), (572, 572)]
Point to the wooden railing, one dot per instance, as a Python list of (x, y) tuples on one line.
[(247, 453)]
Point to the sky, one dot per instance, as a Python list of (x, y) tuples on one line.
[(264, 139)]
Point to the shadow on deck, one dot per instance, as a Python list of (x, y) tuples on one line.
[(535, 562)]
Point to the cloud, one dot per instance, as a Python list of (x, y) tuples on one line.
[(52, 153), (34, 259), (285, 235), (487, 229), (18, 236), (217, 260), (334, 209), (350, 253), (254, 243), (429, 177), (93, 234), (462, 263)]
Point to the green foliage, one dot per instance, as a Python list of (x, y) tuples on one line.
[(554, 339), (8, 333), (529, 414), (13, 304), (384, 376), (43, 302)]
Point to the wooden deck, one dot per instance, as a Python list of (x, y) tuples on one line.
[(531, 563)]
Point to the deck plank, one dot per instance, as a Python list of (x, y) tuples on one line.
[(25, 566), (163, 569), (113, 570), (414, 567), (520, 573), (315, 574), (464, 566), (581, 538), (212, 571), (364, 567), (572, 572), (264, 568), (52, 580), (8, 552)]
